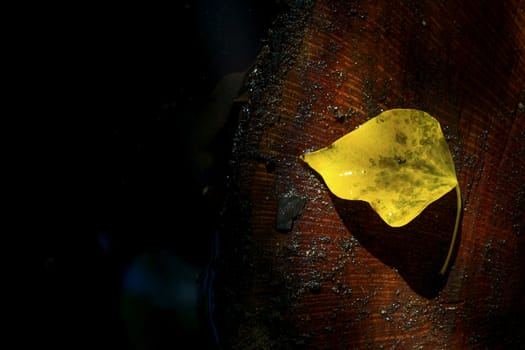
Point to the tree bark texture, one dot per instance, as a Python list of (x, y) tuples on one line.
[(301, 268)]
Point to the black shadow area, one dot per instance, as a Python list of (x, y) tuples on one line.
[(417, 250)]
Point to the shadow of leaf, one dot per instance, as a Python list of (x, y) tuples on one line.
[(417, 250)]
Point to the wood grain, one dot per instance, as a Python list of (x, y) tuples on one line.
[(341, 278)]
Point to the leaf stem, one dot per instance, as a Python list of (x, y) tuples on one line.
[(456, 226)]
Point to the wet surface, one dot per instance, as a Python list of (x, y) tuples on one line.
[(290, 207), (121, 189), (341, 276)]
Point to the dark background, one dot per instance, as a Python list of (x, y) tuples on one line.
[(108, 174)]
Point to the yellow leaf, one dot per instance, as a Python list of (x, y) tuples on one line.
[(399, 162)]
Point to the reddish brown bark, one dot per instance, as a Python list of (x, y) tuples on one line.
[(340, 278)]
